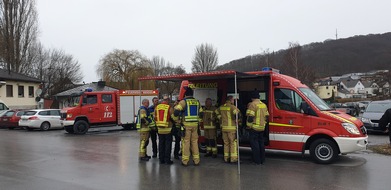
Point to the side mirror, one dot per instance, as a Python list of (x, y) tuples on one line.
[(305, 108)]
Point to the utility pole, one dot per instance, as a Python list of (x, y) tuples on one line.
[(336, 34)]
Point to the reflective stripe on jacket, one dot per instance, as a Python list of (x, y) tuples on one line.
[(227, 116), (143, 114), (257, 110), (209, 118)]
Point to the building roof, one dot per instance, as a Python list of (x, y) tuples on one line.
[(93, 85), (12, 76), (343, 91), (349, 82)]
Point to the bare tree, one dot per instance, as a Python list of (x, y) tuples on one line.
[(157, 64), (59, 71), (124, 67), (292, 58), (295, 67), (18, 32), (205, 58), (167, 87)]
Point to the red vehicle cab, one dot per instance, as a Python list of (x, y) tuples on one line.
[(299, 120), (11, 118)]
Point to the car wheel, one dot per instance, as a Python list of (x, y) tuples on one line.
[(69, 129), (80, 127), (323, 151), (45, 126), (29, 128)]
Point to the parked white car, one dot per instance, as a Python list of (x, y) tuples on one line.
[(43, 119)]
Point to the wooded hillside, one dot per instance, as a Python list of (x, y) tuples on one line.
[(331, 57)]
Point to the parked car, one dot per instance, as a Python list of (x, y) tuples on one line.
[(348, 108), (11, 119), (373, 113), (43, 119)]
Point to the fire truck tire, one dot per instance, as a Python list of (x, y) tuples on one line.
[(80, 127), (69, 129), (323, 151)]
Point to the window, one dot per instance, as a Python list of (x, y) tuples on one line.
[(55, 112), (10, 92), (20, 91), (3, 107), (107, 98), (31, 91), (43, 113), (287, 100), (90, 99)]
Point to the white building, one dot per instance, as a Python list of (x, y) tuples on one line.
[(19, 91)]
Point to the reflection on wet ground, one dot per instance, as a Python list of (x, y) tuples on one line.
[(108, 160)]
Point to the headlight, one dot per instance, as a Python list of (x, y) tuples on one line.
[(365, 120), (351, 128), (69, 115)]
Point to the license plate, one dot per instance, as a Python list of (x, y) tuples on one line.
[(375, 125), (5, 119)]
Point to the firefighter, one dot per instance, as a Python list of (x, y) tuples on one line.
[(176, 129), (152, 125), (386, 120), (189, 109), (162, 117), (257, 118), (226, 114), (143, 128), (209, 121)]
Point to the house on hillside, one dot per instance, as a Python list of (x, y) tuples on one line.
[(384, 88), (343, 93), (19, 91), (63, 100), (326, 89), (354, 86), (370, 88)]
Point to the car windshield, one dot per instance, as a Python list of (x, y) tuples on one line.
[(378, 107), (30, 113), (319, 103), (73, 101)]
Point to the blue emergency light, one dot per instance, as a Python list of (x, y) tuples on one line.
[(270, 69)]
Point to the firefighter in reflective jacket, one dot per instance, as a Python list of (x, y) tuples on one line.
[(162, 119), (257, 116), (209, 122), (189, 109), (143, 128), (227, 116)]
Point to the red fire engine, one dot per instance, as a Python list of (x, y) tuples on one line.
[(299, 120)]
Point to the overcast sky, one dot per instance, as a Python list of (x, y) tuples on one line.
[(89, 29)]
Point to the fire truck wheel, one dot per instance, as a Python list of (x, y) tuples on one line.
[(323, 151), (69, 129), (80, 127), (45, 126)]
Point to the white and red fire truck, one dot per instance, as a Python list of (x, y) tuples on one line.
[(103, 108)]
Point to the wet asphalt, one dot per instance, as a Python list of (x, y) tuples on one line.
[(108, 159)]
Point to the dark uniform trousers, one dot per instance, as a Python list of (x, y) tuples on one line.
[(257, 146)]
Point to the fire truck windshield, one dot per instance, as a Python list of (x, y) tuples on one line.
[(318, 102)]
